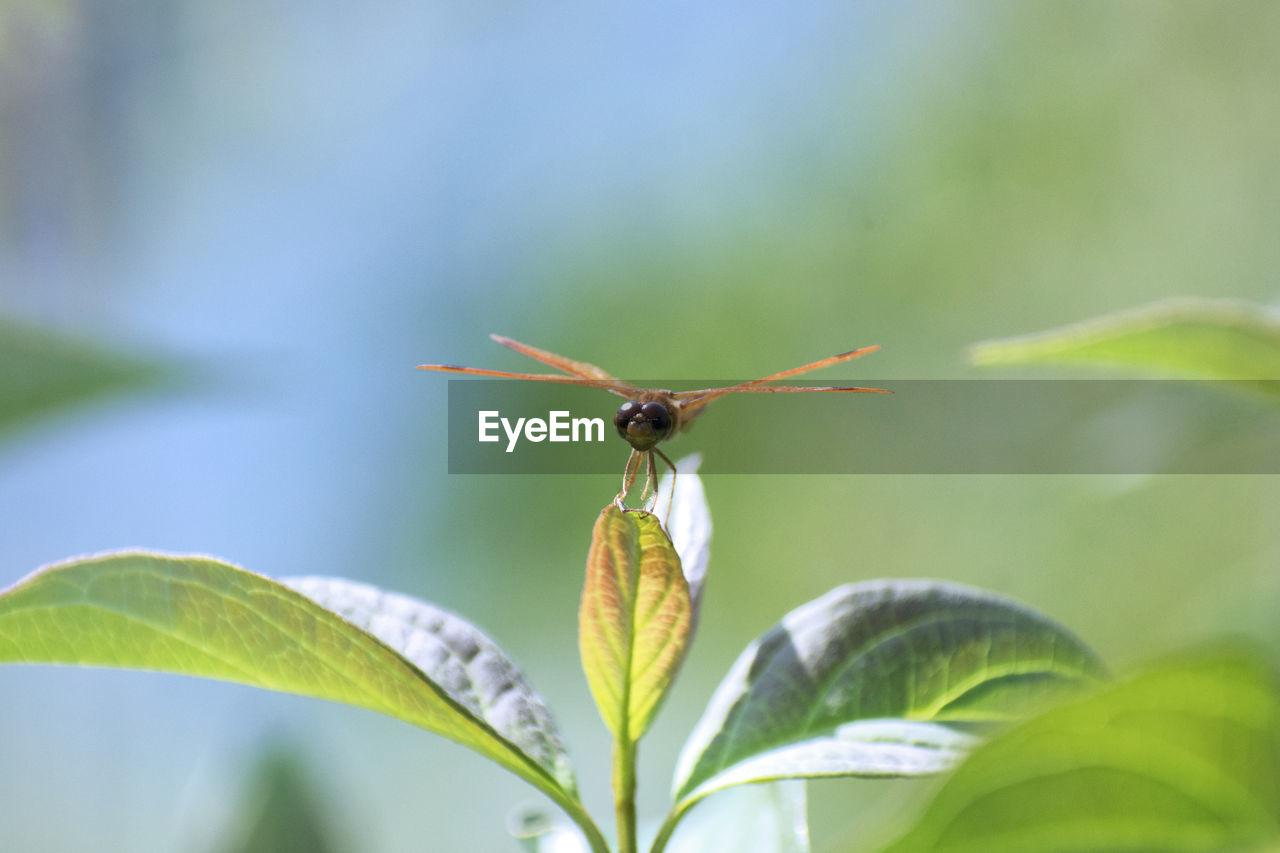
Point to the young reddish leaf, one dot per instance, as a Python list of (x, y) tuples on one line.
[(635, 618)]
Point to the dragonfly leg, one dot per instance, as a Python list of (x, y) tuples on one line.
[(628, 477), (650, 478), (671, 501)]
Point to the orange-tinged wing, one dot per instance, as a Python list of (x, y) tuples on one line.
[(573, 368), (695, 400), (580, 372), (615, 386)]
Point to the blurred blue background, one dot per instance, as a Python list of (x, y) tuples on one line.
[(291, 204)]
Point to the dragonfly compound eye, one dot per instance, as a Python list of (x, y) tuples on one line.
[(624, 415), (643, 424)]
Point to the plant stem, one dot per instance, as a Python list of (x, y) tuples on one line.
[(624, 792), (579, 816), (668, 827)]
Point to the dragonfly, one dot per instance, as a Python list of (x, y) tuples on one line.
[(652, 416)]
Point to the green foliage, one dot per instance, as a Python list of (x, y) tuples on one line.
[(454, 654), (1206, 338), (860, 682), (769, 818), (857, 682), (1185, 757), (635, 618), (286, 815), (682, 504), (199, 616), (1033, 160), (765, 818), (42, 373)]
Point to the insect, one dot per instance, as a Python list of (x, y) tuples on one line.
[(649, 416)]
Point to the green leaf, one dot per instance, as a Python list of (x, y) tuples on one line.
[(282, 812), (1185, 757), (1207, 338), (688, 520), (857, 683), (42, 373), (198, 616), (541, 831), (882, 747), (769, 818), (635, 619), (453, 654)]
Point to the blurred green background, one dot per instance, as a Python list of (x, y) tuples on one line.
[(280, 207)]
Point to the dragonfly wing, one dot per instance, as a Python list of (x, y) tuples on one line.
[(697, 399), (573, 368), (613, 386), (694, 402), (815, 365)]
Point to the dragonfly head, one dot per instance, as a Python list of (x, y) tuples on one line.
[(643, 424)]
